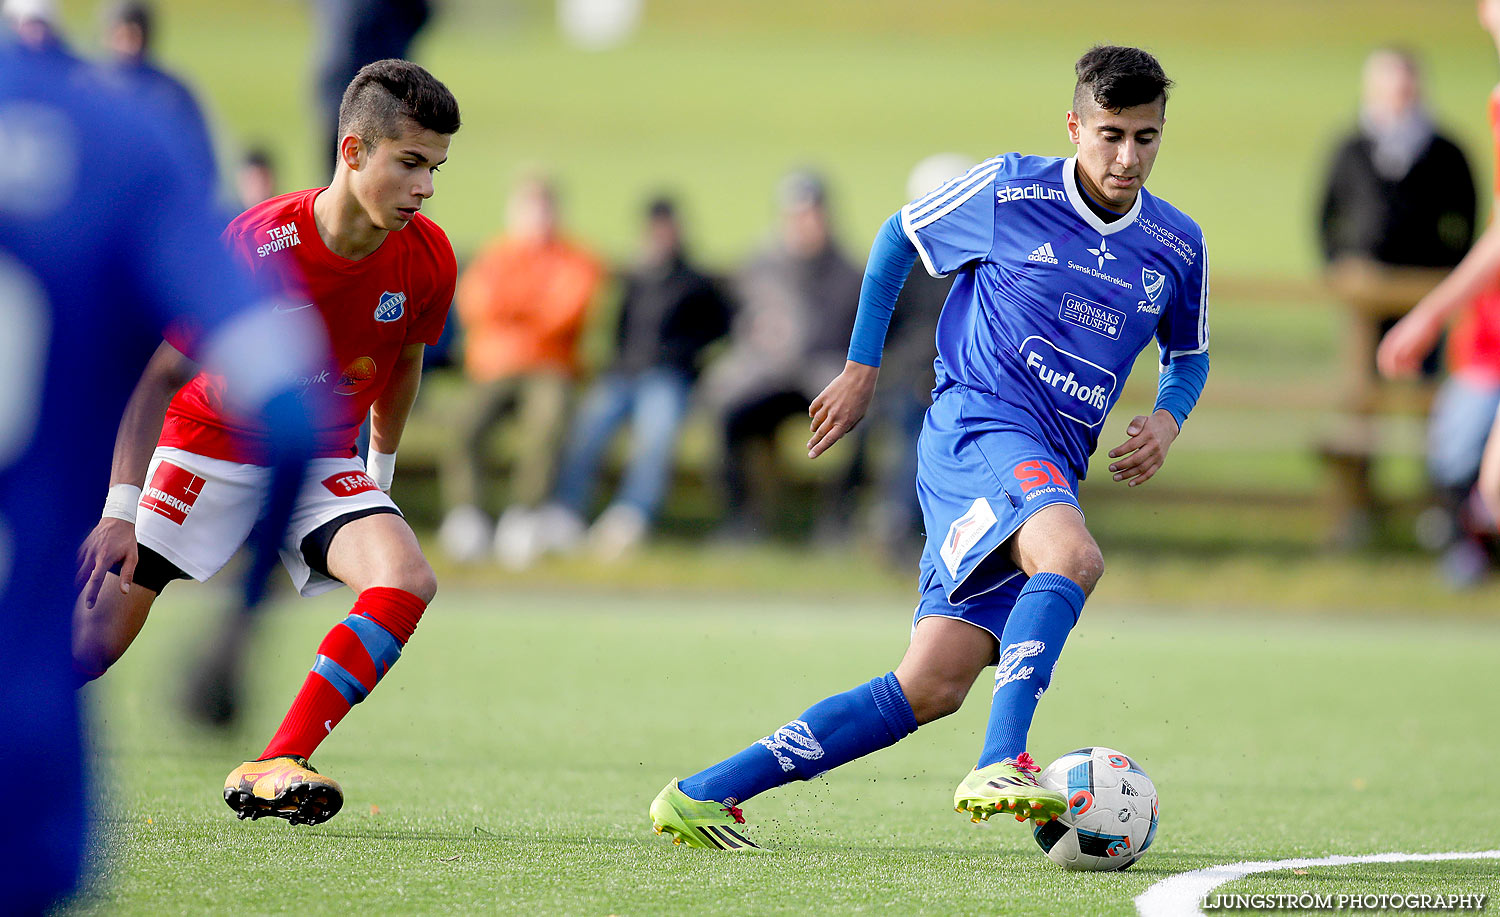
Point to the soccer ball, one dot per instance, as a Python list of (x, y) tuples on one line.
[(1111, 816)]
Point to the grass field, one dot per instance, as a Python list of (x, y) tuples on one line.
[(506, 764), (1287, 702)]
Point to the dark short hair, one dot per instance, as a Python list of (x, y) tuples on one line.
[(661, 207), (1118, 78), (133, 13), (387, 94), (258, 157)]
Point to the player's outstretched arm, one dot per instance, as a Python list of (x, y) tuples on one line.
[(840, 406), (1407, 344), (113, 540), (389, 413)]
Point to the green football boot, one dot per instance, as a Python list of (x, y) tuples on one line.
[(1008, 787), (698, 824)]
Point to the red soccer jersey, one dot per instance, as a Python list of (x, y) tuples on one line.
[(373, 307), (1474, 345)]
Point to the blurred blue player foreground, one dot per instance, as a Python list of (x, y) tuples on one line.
[(98, 255)]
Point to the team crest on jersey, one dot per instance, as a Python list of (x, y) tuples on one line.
[(391, 307), (1153, 282)]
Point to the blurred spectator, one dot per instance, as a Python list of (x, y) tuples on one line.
[(353, 33), (522, 303), (255, 181), (669, 312), (128, 33), (796, 303), (35, 24), (906, 380), (1398, 192)]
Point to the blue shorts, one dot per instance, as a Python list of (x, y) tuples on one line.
[(982, 471), (987, 612)]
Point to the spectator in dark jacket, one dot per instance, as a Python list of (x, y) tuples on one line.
[(795, 307), (1399, 192), (669, 312)]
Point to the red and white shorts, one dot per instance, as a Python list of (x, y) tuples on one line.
[(196, 511)]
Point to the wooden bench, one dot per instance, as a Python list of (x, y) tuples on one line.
[(1373, 295)]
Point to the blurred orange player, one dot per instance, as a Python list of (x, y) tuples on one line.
[(1466, 405)]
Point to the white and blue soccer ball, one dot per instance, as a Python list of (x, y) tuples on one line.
[(1112, 811)]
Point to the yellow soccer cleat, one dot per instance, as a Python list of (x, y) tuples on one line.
[(1008, 787), (696, 823), (283, 787)]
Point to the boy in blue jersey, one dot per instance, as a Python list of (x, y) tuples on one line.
[(1067, 268)]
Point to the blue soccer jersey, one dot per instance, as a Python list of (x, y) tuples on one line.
[(1053, 305)]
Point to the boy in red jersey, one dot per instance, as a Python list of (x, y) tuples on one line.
[(1466, 405), (382, 277)]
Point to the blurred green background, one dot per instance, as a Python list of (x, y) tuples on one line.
[(716, 100)]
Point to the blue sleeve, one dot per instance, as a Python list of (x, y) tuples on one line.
[(955, 224), (1180, 385), (891, 258)]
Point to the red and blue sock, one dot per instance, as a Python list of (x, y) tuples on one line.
[(1033, 638), (352, 659)]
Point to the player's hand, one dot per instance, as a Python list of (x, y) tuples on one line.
[(111, 542), (840, 406), (1142, 455), (1408, 343)]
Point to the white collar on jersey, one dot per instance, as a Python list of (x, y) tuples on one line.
[(1075, 197)]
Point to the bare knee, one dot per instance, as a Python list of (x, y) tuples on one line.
[(1080, 561), (1086, 566), (933, 696), (415, 576)]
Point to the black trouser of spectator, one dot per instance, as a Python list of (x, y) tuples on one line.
[(750, 427)]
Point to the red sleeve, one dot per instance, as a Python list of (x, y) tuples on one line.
[(427, 325)]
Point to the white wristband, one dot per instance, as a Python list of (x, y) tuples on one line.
[(121, 502), (381, 467)]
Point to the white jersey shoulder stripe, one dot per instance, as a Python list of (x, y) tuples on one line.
[(952, 203), (983, 172)]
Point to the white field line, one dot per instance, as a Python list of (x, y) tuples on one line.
[(1179, 895)]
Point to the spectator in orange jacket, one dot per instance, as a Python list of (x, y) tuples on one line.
[(522, 304)]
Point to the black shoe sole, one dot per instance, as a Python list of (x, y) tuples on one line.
[(299, 804)]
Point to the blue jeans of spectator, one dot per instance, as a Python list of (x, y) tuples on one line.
[(654, 402), (1462, 415)]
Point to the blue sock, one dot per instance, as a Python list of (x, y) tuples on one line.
[(834, 731), (1045, 611)]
